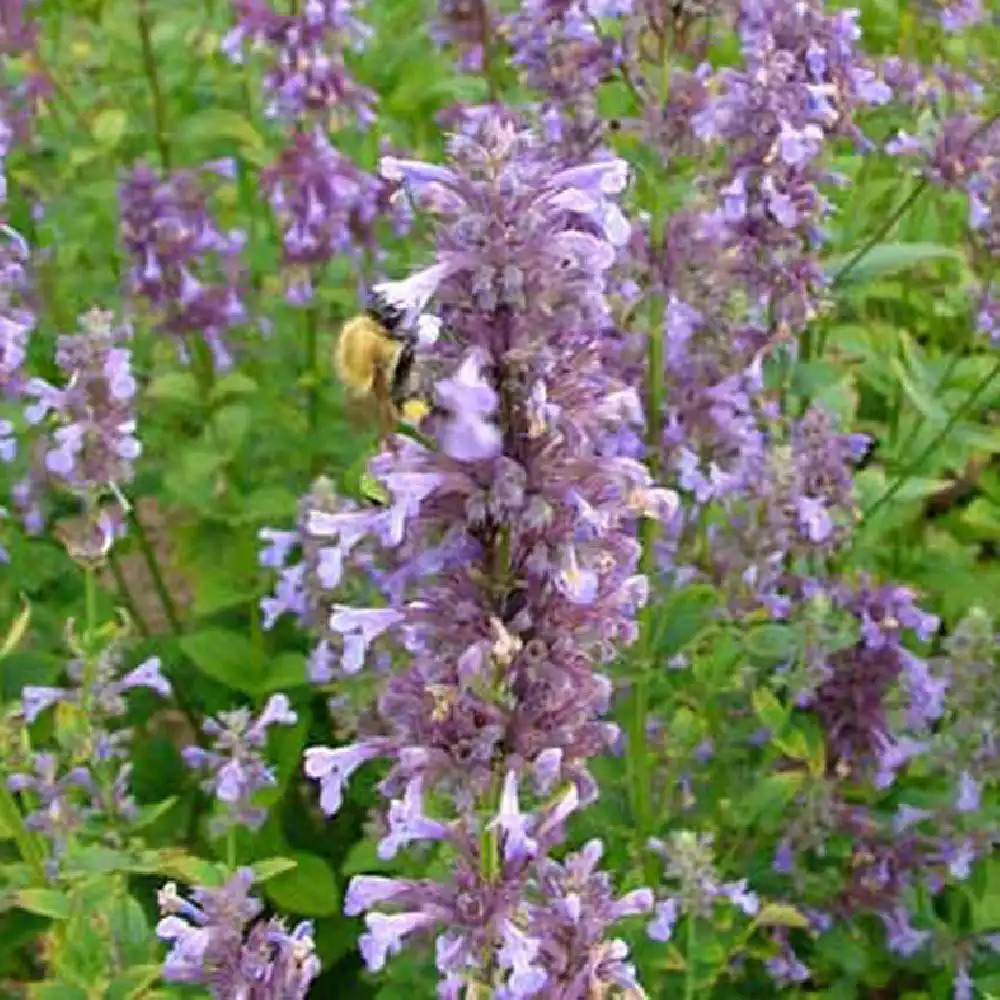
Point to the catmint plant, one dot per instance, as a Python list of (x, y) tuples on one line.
[(515, 518), (182, 265)]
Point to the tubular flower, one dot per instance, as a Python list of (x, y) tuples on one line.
[(505, 547)]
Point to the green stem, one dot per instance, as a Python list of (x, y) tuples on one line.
[(489, 52), (125, 594), (638, 762), (312, 387), (90, 600), (231, 848), (914, 466), (689, 976), (27, 843), (154, 571), (153, 77)]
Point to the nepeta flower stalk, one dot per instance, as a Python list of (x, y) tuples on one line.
[(235, 766), (802, 81), (507, 554), (326, 206), (183, 265), (221, 941), (88, 775), (17, 320), (307, 77), (93, 442)]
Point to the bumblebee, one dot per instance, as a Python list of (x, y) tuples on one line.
[(375, 359)]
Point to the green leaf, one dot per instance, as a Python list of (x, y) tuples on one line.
[(309, 889), (781, 915), (772, 642), (224, 656), (218, 123), (270, 868), (134, 982), (770, 796), (108, 127), (16, 632), (921, 396), (284, 671), (362, 858), (175, 387), (44, 902), (231, 385), (130, 930), (769, 710), (682, 617), (887, 259), (230, 426)]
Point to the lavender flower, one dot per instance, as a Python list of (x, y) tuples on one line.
[(220, 941), (90, 442), (853, 701), (16, 319), (326, 206), (307, 76), (506, 556), (89, 775), (185, 268), (236, 769), (802, 82)]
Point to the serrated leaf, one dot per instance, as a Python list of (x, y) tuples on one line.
[(887, 259), (44, 902), (271, 868), (310, 888), (108, 127), (781, 915)]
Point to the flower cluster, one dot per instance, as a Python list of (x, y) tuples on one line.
[(89, 775), (326, 206), (16, 319), (220, 941), (185, 268), (90, 441), (801, 83), (506, 555), (307, 76), (236, 769)]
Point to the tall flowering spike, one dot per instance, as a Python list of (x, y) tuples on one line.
[(854, 699), (235, 766), (326, 206), (90, 773), (219, 940), (564, 56), (506, 553), (802, 81), (465, 25), (182, 264), (307, 76), (89, 423), (17, 319)]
